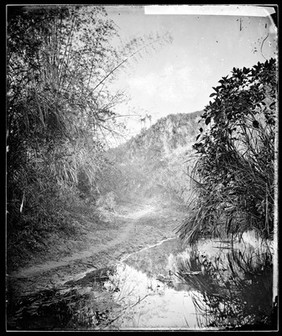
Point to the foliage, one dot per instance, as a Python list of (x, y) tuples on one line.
[(46, 139), (236, 153), (49, 72), (60, 62)]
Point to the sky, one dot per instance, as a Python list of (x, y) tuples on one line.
[(208, 41)]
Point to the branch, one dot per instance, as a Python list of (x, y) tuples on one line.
[(121, 116), (110, 130)]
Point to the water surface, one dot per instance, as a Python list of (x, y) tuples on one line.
[(214, 284)]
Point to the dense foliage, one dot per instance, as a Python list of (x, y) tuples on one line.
[(236, 153), (60, 63), (53, 114)]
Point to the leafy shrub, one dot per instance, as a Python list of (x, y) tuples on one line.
[(236, 153)]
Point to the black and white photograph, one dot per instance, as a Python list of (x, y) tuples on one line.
[(141, 175)]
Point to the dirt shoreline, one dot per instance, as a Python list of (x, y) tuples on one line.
[(135, 226)]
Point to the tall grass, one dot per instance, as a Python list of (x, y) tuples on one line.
[(55, 119)]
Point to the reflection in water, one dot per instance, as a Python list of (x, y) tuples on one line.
[(215, 284), (236, 293), (149, 303)]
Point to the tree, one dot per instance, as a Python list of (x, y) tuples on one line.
[(235, 168)]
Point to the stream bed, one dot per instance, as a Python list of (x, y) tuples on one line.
[(214, 284)]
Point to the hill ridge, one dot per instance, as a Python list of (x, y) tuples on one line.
[(164, 136)]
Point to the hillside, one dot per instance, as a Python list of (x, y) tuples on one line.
[(166, 135), (156, 160)]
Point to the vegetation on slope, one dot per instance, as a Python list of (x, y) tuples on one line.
[(155, 161)]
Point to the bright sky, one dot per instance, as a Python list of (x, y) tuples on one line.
[(178, 77)]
